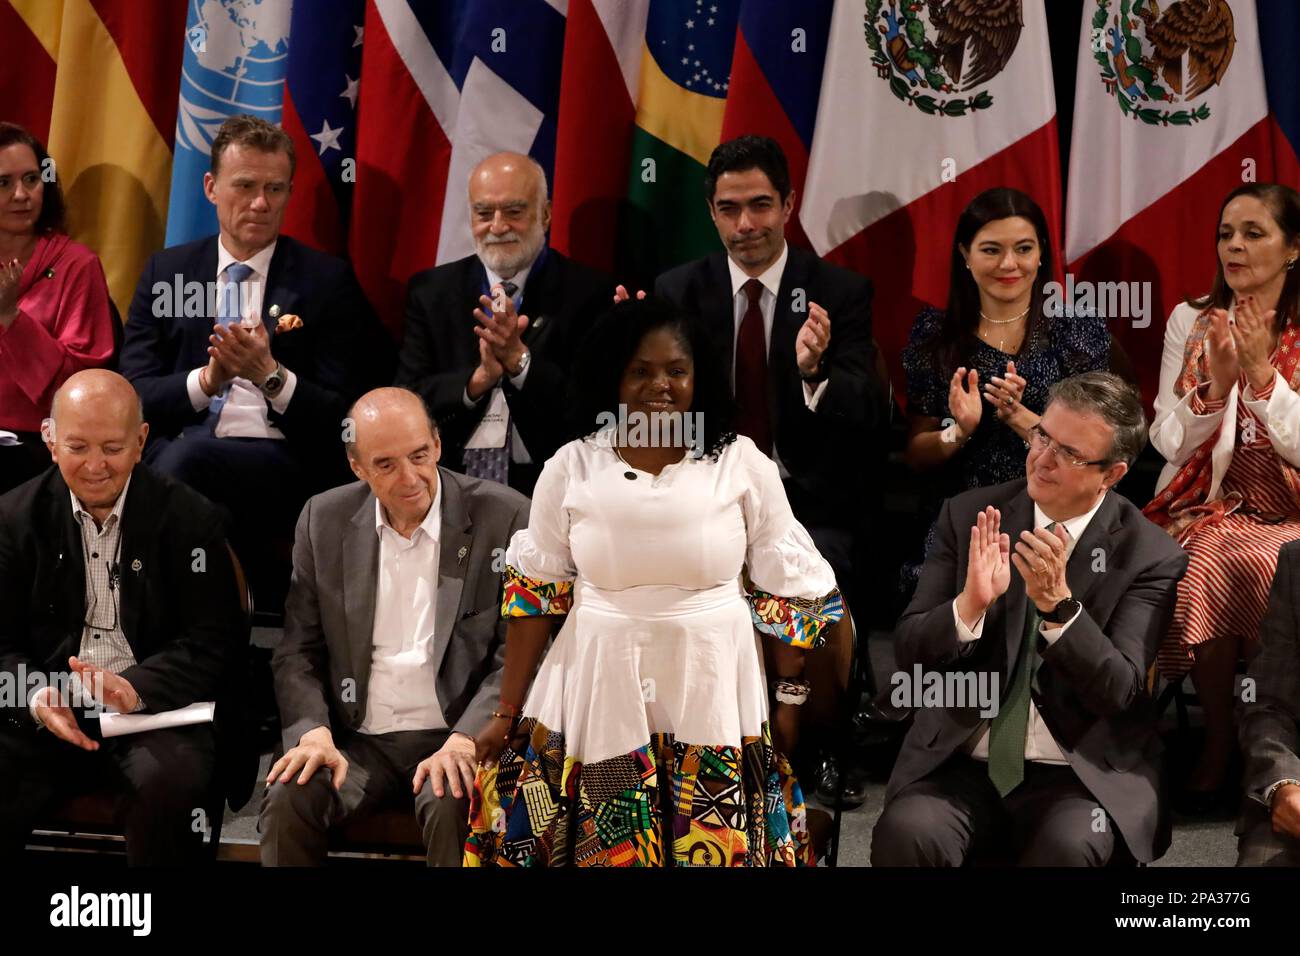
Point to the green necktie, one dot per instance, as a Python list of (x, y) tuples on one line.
[(1009, 729)]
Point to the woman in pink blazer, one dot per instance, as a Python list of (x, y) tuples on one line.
[(54, 309)]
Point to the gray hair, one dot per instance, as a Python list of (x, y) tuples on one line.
[(1115, 401)]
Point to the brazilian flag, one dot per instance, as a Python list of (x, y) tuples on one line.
[(685, 73)]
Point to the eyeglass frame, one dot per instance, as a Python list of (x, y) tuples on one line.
[(1050, 443)]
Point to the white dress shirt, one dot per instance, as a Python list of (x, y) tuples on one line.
[(244, 414), (496, 398), (771, 280), (1039, 743), (402, 692)]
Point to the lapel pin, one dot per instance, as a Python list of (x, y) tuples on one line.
[(460, 555), (274, 312), (136, 565), (540, 320)]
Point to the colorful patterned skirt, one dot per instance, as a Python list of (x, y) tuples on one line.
[(669, 803)]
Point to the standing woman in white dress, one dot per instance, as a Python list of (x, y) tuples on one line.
[(645, 738)]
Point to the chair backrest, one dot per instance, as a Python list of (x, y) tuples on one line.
[(241, 581)]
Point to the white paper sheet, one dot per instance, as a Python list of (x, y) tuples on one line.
[(115, 725)]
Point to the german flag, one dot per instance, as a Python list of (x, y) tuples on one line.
[(98, 81)]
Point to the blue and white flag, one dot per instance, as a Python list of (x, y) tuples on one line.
[(235, 59)]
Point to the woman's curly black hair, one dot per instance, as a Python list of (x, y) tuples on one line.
[(610, 345)]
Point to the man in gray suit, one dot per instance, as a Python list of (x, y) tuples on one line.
[(1269, 828), (393, 645), (1066, 773)]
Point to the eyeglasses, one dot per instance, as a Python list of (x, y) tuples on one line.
[(1039, 440)]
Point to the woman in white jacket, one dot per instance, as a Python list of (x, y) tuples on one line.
[(1228, 423)]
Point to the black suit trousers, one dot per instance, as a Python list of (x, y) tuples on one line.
[(161, 777)]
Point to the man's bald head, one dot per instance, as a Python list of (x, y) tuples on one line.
[(395, 450), (99, 386), (509, 212), (96, 435), (385, 404), (514, 168)]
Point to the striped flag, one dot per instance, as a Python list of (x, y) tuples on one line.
[(31, 32), (1279, 34), (320, 114), (442, 87), (775, 81), (1160, 137), (235, 59), (110, 112), (681, 99), (601, 77), (919, 113)]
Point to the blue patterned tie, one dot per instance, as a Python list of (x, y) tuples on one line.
[(493, 464), (229, 311)]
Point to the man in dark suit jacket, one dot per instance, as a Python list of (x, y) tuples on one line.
[(795, 332), (394, 643), (111, 573), (1067, 771), (497, 383), (1269, 828), (247, 348)]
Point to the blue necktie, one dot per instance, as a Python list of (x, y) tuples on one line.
[(229, 311), (493, 464)]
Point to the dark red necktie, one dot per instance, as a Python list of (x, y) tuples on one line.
[(754, 417)]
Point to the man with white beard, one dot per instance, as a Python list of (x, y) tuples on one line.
[(489, 338)]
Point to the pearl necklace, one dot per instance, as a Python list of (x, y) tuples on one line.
[(1003, 340), (1016, 318)]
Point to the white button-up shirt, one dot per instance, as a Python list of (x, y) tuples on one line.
[(1040, 745), (244, 413), (402, 693)]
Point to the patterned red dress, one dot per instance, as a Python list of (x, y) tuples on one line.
[(1233, 544)]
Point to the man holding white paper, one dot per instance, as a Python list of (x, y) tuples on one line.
[(120, 595)]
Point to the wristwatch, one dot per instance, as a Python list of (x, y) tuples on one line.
[(272, 384), (1063, 611), (1271, 792), (523, 365)]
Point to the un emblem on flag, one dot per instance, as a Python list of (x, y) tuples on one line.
[(1149, 56), (943, 47), (235, 60)]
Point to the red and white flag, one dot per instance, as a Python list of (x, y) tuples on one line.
[(923, 107), (1170, 115), (603, 40), (408, 103)]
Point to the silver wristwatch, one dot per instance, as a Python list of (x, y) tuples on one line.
[(523, 364), (274, 382)]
